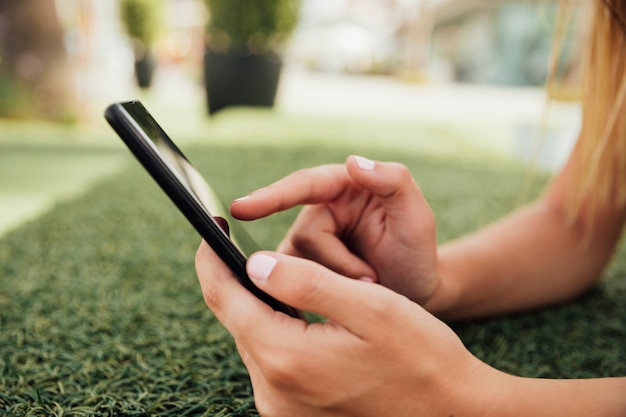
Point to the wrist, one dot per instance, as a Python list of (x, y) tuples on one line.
[(447, 292), (491, 392), (481, 391)]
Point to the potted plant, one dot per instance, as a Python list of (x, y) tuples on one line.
[(245, 39), (141, 19)]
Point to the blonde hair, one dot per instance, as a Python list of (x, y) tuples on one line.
[(599, 160)]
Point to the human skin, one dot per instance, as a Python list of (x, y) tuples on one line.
[(376, 223), (381, 353), (358, 222), (378, 354)]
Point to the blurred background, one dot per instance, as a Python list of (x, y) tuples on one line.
[(78, 50), (479, 65), (100, 311)]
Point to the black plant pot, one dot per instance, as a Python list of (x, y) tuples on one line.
[(144, 70), (240, 80)]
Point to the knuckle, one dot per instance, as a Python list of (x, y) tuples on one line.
[(212, 299), (400, 180), (387, 306), (281, 371), (269, 403), (383, 307), (266, 405), (274, 404), (401, 172), (407, 177)]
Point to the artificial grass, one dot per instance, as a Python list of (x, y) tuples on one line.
[(34, 176), (101, 313)]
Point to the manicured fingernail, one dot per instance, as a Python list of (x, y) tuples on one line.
[(367, 279), (261, 266), (242, 198), (364, 163)]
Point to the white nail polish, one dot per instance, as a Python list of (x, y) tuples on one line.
[(261, 266), (364, 163)]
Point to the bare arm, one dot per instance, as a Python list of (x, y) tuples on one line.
[(374, 222), (379, 354), (531, 258)]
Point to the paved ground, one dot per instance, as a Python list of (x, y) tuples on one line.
[(24, 195)]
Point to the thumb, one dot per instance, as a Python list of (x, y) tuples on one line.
[(308, 286), (392, 182)]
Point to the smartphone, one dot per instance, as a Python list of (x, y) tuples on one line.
[(184, 185)]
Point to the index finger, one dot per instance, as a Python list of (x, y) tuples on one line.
[(307, 186)]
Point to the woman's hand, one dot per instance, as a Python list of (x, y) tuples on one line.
[(364, 219), (379, 354)]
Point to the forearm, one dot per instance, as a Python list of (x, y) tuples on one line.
[(529, 259), (581, 397), (504, 395)]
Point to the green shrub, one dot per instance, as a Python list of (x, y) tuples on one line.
[(250, 26), (141, 19)]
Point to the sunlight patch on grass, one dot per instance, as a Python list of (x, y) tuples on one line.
[(34, 178)]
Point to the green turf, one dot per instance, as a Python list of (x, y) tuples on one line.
[(34, 176), (101, 313)]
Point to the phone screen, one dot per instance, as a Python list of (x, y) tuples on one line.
[(186, 188), (177, 163)]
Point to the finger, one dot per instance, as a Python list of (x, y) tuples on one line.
[(407, 213), (246, 317), (314, 236), (229, 301), (221, 222), (358, 306), (391, 182), (308, 186)]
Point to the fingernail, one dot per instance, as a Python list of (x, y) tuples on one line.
[(364, 163), (367, 279), (221, 222), (261, 266), (242, 198)]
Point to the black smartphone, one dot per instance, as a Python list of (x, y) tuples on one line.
[(185, 187)]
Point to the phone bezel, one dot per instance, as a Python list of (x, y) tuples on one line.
[(121, 119)]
